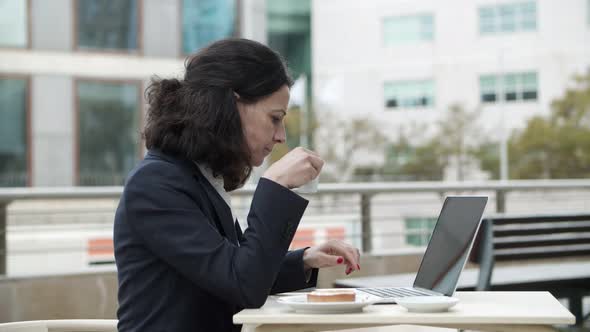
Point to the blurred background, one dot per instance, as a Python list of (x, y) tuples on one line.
[(407, 102)]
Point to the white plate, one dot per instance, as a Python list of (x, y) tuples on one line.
[(427, 303), (300, 304)]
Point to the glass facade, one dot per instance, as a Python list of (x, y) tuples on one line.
[(107, 25), (488, 88), (14, 23), (289, 33), (409, 94), (511, 86), (205, 21), (408, 29), (108, 123), (508, 18), (13, 132)]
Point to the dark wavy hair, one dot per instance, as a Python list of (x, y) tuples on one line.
[(197, 117)]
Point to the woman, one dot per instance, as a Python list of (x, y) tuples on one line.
[(183, 262)]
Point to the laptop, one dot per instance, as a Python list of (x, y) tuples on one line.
[(447, 251)]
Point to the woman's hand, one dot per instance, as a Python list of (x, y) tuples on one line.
[(332, 253), (296, 168)]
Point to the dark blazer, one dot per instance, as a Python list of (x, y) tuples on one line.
[(182, 262)]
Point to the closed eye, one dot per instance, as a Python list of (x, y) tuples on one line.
[(276, 120)]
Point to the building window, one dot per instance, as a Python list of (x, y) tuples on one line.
[(408, 29), (108, 121), (512, 87), (205, 21), (13, 133), (14, 23), (419, 230), (507, 18), (487, 85), (409, 94), (107, 25)]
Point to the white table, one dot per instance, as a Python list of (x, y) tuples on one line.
[(62, 325), (484, 311)]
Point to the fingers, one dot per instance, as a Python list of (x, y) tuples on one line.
[(296, 168), (333, 253), (350, 254), (308, 151), (327, 260), (352, 266), (312, 163), (311, 156), (317, 163)]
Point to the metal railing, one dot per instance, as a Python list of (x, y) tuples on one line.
[(367, 203)]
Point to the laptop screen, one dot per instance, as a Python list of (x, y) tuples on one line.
[(450, 244)]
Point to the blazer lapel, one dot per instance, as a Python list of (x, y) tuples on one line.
[(222, 211)]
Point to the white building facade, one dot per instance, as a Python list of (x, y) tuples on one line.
[(405, 62)]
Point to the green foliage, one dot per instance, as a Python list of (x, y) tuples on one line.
[(422, 162), (457, 135), (488, 155), (557, 146), (347, 147), (427, 161)]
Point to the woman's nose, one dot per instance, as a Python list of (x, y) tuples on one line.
[(281, 135)]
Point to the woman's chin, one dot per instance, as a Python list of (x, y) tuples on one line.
[(257, 162)]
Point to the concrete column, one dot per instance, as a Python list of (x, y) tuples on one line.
[(3, 227), (52, 24), (53, 130), (253, 20), (161, 25)]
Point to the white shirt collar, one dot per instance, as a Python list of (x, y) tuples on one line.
[(218, 184)]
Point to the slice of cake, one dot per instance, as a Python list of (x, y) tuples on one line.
[(332, 295)]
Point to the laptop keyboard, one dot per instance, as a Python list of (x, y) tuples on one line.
[(395, 292)]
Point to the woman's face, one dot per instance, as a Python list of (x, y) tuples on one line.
[(263, 123)]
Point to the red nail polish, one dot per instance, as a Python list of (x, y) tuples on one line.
[(358, 267), (340, 260)]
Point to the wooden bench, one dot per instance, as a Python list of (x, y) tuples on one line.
[(545, 242)]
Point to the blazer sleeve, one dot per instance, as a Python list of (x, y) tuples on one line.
[(163, 213), (291, 276)]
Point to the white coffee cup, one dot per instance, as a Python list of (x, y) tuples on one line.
[(308, 188)]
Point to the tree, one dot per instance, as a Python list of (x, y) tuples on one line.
[(348, 145), (405, 161), (487, 153), (557, 146), (458, 136), (419, 159)]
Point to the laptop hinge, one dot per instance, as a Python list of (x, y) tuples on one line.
[(429, 291)]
